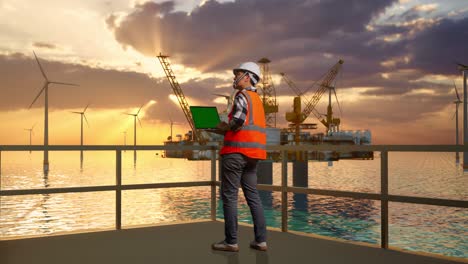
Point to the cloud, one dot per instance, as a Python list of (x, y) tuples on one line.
[(247, 29), (436, 49), (44, 45)]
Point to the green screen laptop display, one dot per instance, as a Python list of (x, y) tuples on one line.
[(205, 117)]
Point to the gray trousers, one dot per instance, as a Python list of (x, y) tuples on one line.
[(239, 169)]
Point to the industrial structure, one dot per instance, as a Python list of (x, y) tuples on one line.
[(163, 59), (294, 134), (298, 116), (268, 93)]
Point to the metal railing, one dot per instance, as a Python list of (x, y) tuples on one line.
[(384, 197)]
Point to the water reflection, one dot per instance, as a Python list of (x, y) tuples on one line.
[(44, 205), (231, 257), (134, 159), (261, 257)]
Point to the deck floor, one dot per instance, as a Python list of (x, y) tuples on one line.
[(191, 243)]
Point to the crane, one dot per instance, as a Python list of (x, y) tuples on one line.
[(297, 117), (163, 59)]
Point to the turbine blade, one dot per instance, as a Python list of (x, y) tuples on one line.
[(139, 121), (222, 95), (62, 83), (86, 108), (75, 112), (336, 97), (40, 67), (86, 119), (139, 109), (456, 90), (453, 114), (40, 92), (461, 66)]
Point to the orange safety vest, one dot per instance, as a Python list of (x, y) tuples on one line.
[(250, 139)]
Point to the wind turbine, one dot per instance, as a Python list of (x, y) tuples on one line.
[(45, 89), (135, 117), (457, 104), (81, 141), (30, 133)]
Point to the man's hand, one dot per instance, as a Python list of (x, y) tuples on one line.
[(223, 126)]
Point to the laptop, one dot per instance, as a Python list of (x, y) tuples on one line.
[(205, 117)]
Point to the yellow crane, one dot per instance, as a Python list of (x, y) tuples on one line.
[(163, 59), (298, 116)]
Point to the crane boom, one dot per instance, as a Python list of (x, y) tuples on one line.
[(163, 59), (291, 84), (324, 85), (298, 92)]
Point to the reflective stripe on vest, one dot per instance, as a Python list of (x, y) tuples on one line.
[(244, 144)]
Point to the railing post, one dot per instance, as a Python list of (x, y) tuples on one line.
[(384, 198), (118, 190), (213, 184), (284, 191), (0, 169)]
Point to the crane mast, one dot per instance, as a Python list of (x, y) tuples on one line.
[(298, 116), (163, 59)]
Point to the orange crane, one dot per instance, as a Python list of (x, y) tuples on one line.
[(163, 59), (298, 116)]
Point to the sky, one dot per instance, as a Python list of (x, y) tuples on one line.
[(397, 79)]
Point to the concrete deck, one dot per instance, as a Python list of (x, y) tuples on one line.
[(191, 243)]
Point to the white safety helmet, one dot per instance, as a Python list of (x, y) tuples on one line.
[(250, 67)]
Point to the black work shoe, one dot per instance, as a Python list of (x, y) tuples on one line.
[(262, 246), (223, 246)]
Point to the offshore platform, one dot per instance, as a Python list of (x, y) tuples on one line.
[(297, 132)]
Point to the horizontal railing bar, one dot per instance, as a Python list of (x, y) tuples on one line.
[(58, 190), (428, 201), (165, 185), (361, 195), (103, 147), (335, 193), (103, 188), (395, 148), (265, 187)]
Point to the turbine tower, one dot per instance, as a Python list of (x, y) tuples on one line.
[(81, 141), (45, 88), (30, 133), (464, 70), (135, 117), (457, 104)]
